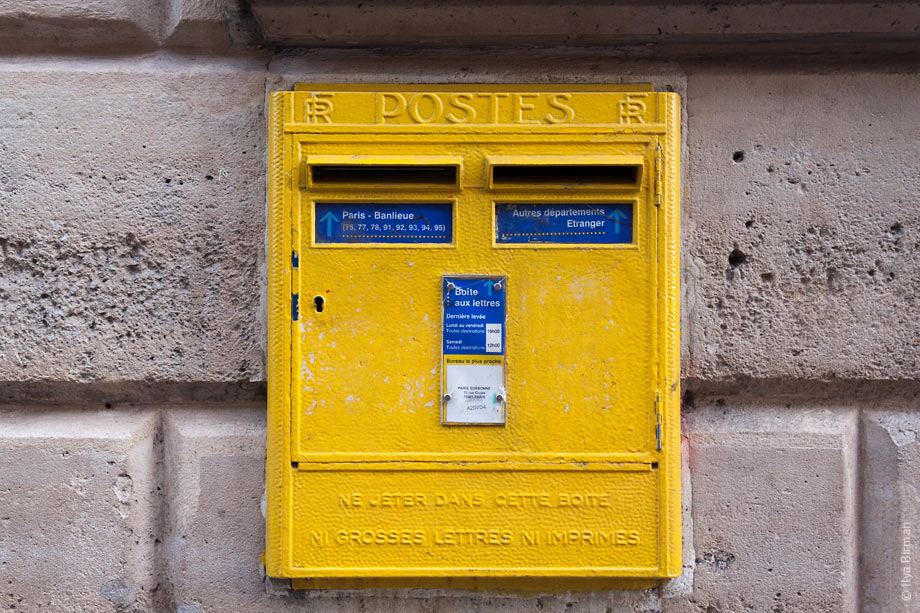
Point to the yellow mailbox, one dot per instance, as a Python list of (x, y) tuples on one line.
[(473, 334)]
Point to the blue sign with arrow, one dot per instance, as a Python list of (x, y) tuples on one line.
[(585, 223), (373, 222)]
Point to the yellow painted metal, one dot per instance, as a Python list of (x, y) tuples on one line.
[(365, 484)]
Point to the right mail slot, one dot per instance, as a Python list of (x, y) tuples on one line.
[(582, 172)]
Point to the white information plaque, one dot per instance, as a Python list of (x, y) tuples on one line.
[(473, 350)]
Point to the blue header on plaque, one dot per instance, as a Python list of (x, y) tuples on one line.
[(564, 223), (372, 222), (474, 315)]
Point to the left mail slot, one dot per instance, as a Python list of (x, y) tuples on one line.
[(381, 222), (375, 172)]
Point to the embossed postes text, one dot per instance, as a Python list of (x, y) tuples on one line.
[(467, 107), (473, 108)]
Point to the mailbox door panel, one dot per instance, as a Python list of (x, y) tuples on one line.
[(580, 355)]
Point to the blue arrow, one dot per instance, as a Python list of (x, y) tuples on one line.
[(329, 218), (617, 216)]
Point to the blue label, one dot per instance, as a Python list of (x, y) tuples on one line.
[(474, 315), (364, 222), (564, 223)]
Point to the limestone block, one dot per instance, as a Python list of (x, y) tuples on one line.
[(890, 561), (133, 207), (215, 531), (102, 25), (774, 509), (469, 23), (207, 24), (801, 230), (493, 65), (78, 508)]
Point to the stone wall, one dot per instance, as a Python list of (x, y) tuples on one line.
[(132, 288)]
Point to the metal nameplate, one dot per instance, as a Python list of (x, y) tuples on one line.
[(383, 223), (564, 223)]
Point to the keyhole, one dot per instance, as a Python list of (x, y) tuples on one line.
[(318, 302)]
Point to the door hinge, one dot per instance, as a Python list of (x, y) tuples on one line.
[(659, 172), (295, 306), (658, 418)]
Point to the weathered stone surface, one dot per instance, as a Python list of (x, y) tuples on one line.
[(471, 23), (802, 226), (214, 483), (536, 65), (207, 24), (680, 587), (133, 206), (890, 561), (41, 26), (774, 509), (447, 601), (78, 508), (132, 198)]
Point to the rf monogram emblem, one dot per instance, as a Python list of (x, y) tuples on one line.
[(317, 107), (632, 110)]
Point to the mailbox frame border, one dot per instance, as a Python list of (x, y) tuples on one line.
[(283, 180)]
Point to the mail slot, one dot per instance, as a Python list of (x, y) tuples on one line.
[(380, 172), (473, 335), (573, 171)]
